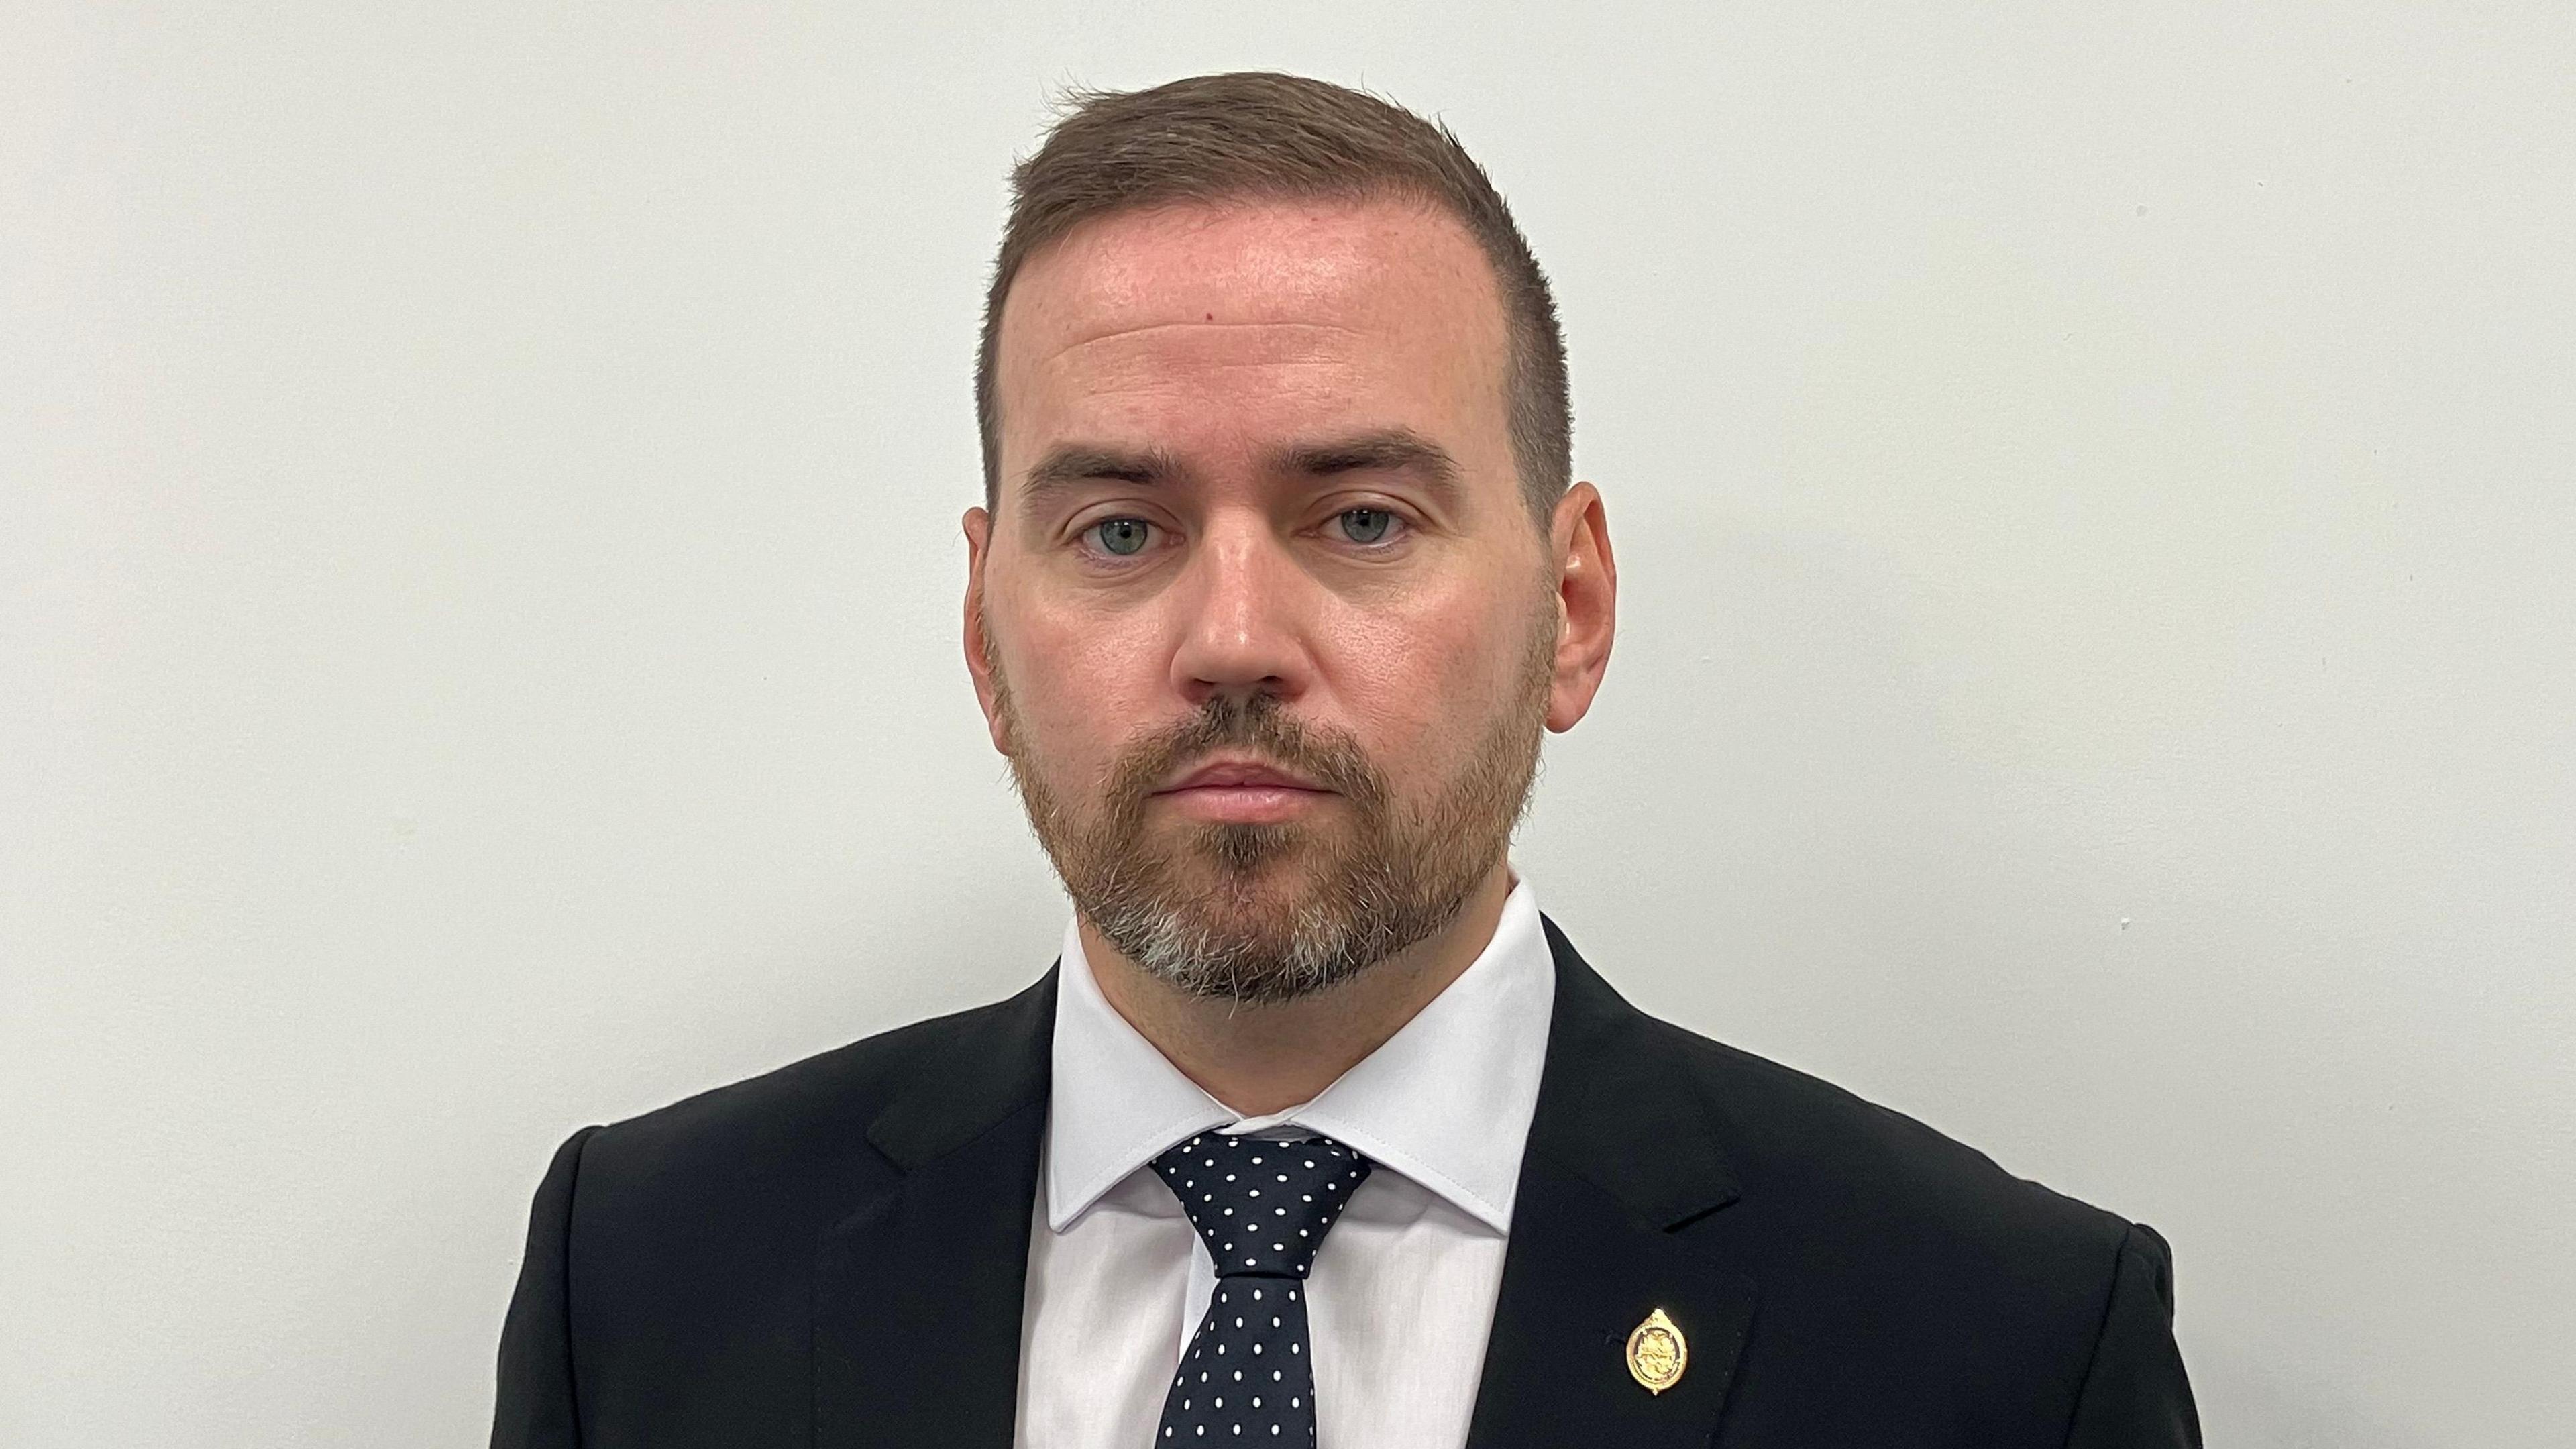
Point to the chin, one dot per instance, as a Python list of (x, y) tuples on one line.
[(1275, 958), (1277, 863)]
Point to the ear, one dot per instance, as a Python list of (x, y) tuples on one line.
[(979, 645), (1587, 598)]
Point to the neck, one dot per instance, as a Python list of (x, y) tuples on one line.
[(1259, 1058)]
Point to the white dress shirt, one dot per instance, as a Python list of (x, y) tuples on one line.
[(1402, 1294)]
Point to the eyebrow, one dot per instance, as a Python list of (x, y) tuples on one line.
[(1071, 467), (1389, 450), (1383, 450)]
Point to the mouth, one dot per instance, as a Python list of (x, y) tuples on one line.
[(1242, 792)]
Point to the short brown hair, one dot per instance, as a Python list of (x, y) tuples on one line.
[(1214, 138)]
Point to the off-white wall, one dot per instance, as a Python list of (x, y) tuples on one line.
[(478, 575)]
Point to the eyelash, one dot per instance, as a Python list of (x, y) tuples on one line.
[(1399, 527)]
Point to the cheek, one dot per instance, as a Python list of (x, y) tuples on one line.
[(1079, 692), (1424, 684)]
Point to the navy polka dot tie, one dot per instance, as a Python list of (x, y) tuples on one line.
[(1262, 1208)]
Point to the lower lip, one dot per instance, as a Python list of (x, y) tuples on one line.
[(1244, 804)]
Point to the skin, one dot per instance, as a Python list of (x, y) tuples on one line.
[(1181, 358)]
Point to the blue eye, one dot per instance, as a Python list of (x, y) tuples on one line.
[(1120, 536), (1365, 525)]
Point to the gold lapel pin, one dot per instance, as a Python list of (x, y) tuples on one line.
[(1657, 1353)]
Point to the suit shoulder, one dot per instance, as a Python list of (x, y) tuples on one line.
[(1804, 1140), (818, 1108)]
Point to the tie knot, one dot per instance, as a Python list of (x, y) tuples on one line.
[(1262, 1207)]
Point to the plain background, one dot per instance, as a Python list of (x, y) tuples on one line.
[(2095, 489)]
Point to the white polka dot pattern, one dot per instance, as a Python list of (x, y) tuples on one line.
[(1262, 1208)]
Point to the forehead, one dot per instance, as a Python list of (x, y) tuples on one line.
[(1203, 326)]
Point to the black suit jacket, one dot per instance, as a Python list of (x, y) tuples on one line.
[(833, 1255)]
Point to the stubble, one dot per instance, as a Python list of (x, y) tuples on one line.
[(1261, 913)]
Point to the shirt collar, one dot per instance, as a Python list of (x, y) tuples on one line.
[(1446, 1101)]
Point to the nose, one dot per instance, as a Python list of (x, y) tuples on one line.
[(1242, 615)]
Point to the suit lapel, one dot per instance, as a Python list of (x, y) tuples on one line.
[(918, 1293), (1622, 1153)]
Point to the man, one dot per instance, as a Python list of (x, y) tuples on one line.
[(1317, 1132)]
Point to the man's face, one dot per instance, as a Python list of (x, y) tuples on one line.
[(1260, 617)]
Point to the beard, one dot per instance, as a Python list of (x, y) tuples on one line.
[(1262, 913)]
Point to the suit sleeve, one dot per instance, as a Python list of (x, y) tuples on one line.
[(534, 1407), (2135, 1395)]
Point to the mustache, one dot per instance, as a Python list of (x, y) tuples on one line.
[(1259, 725)]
